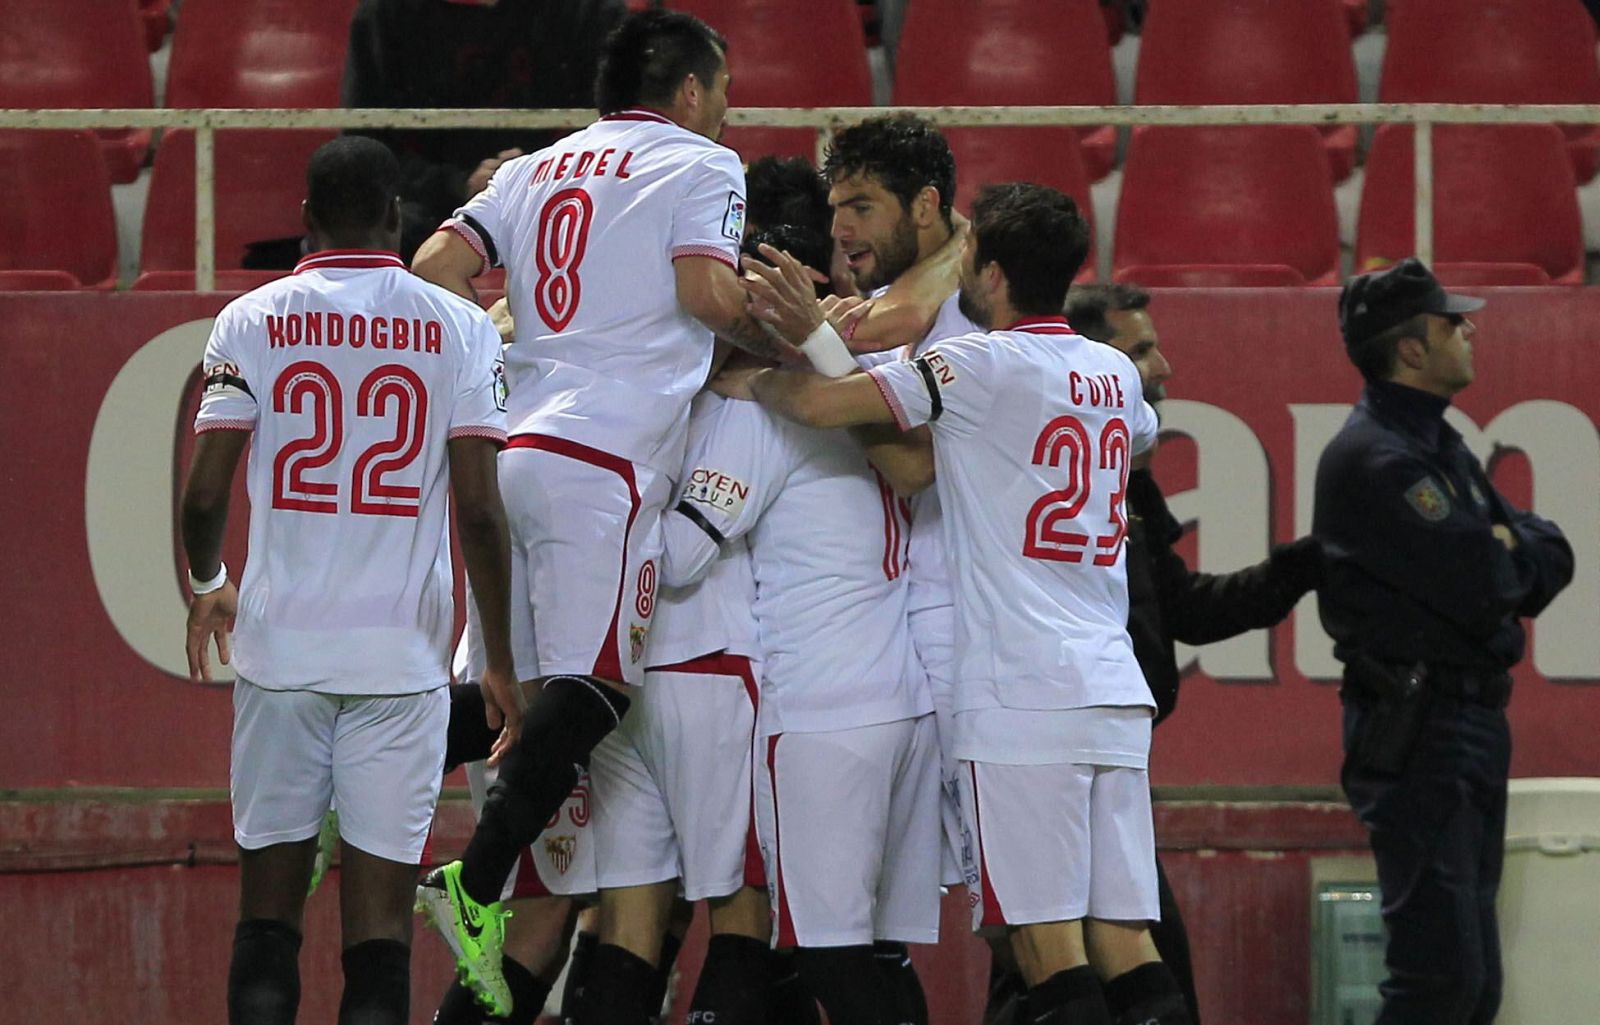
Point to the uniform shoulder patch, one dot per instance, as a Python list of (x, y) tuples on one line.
[(733, 217), (723, 492), (1429, 500)]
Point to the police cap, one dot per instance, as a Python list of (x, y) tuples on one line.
[(1373, 303)]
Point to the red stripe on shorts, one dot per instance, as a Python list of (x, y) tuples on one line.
[(992, 914), (786, 935), (529, 883), (755, 868), (608, 664)]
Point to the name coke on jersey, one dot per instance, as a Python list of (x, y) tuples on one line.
[(331, 329), (587, 163), (1099, 390)]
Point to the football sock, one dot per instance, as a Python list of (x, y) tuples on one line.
[(733, 986), (846, 982), (670, 945), (908, 1005), (528, 996), (1172, 943), (1006, 1002), (377, 984), (468, 737), (264, 975), (619, 988), (1147, 995), (561, 727), (577, 975), (789, 1002), (1069, 997)]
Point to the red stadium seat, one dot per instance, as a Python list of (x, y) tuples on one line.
[(771, 67), (156, 17), (37, 281), (1355, 15), (1503, 195), (57, 221), (266, 53), (89, 53), (1010, 52), (1049, 156), (1245, 51), (1496, 51), (183, 280), (1253, 202), (260, 183)]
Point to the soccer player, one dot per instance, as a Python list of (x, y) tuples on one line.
[(1034, 429), (848, 793), (365, 389), (621, 244)]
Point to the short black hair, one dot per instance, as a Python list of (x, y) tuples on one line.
[(1038, 238), (1375, 357), (1087, 306), (904, 152), (809, 246), (786, 191), (351, 184), (647, 57)]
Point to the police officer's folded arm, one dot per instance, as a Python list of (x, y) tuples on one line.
[(1543, 560), (1422, 544)]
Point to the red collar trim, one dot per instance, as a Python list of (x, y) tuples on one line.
[(356, 259), (639, 114), (1042, 326)]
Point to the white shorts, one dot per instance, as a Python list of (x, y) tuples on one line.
[(849, 824), (560, 863), (932, 633), (672, 785), (1056, 843), (586, 545), (379, 760)]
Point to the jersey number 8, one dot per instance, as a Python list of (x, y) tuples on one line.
[(558, 252)]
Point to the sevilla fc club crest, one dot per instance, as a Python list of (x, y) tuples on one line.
[(561, 849), (636, 638)]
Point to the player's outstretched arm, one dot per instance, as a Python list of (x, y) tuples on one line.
[(486, 549), (709, 289), (204, 518), (449, 262), (807, 397), (904, 458)]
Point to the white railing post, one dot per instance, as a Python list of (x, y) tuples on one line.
[(1422, 172), (205, 209)]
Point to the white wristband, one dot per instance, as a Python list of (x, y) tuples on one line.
[(199, 587), (828, 353)]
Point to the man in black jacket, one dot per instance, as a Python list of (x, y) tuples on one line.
[(1429, 571), (469, 53)]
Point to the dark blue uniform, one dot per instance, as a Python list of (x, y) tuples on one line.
[(1423, 603)]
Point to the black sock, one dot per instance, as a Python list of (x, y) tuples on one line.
[(577, 975), (670, 945), (1007, 1002), (846, 982), (733, 986), (1172, 943), (528, 995), (566, 720), (908, 1005), (377, 984), (619, 988), (468, 737), (1147, 995), (1070, 997), (264, 975), (789, 1002)]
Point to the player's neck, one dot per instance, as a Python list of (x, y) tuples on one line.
[(378, 241)]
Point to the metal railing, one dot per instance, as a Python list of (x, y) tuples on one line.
[(824, 120)]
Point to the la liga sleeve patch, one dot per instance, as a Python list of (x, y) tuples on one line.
[(733, 218)]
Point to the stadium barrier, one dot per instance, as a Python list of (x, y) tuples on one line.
[(206, 122)]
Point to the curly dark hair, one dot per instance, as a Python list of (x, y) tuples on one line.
[(1038, 238), (904, 152), (786, 191), (809, 246)]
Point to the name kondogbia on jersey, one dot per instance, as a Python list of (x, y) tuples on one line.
[(315, 328)]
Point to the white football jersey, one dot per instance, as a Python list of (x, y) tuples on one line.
[(827, 541), (353, 374), (1033, 430), (588, 230), (714, 613)]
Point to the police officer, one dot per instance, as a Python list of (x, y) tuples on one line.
[(1428, 571)]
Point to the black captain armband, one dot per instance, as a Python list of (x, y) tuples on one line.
[(931, 380), (698, 518)]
